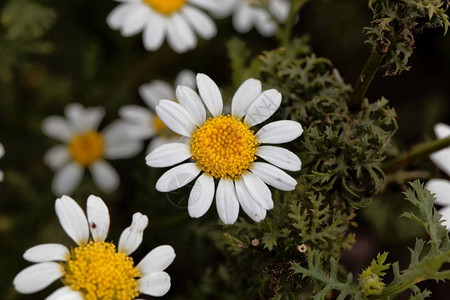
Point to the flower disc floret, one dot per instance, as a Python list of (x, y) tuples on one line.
[(87, 148), (166, 7), (100, 272), (224, 147)]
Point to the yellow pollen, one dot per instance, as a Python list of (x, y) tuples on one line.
[(224, 147), (87, 148), (99, 272), (161, 128), (166, 7)]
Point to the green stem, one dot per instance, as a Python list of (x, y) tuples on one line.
[(287, 32), (365, 78), (419, 151)]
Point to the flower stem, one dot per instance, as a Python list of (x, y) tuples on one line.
[(419, 151), (365, 78), (287, 32)]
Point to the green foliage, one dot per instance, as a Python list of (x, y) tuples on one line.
[(395, 24), (370, 279), (25, 23)]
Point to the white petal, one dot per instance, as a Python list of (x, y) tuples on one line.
[(168, 155), (248, 204), (156, 284), (200, 21), (47, 252), (116, 133), (263, 107), (125, 149), (201, 196), (441, 159), (191, 101), (57, 156), (156, 260), (243, 18), (177, 177), (84, 119), (442, 130), (98, 217), (136, 114), (180, 36), (227, 202), (155, 91), (259, 190), (104, 176), (37, 277), (132, 236), (72, 219), (135, 21), (158, 141), (67, 179), (441, 188), (186, 78), (65, 293), (2, 150), (445, 212), (273, 176), (279, 132), (57, 128), (154, 32), (1, 176), (210, 93), (264, 23), (175, 117), (244, 96), (280, 9), (118, 14), (280, 157), (212, 6)]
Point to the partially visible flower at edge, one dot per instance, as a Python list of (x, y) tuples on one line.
[(143, 122), (441, 187), (94, 269), (2, 153), (223, 147), (249, 13), (85, 147), (178, 20)]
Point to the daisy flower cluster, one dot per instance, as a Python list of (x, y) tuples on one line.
[(84, 146), (441, 187), (224, 148), (94, 268), (179, 21)]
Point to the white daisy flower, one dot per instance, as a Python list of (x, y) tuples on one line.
[(223, 147), (143, 122), (94, 269), (84, 146), (179, 20), (2, 153), (441, 187), (251, 13)]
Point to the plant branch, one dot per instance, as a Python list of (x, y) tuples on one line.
[(417, 152), (287, 32), (365, 78)]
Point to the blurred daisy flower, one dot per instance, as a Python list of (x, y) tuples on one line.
[(179, 20), (94, 269), (259, 14), (224, 147), (2, 153), (144, 124), (441, 187), (85, 147)]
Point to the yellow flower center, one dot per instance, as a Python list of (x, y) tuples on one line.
[(161, 128), (166, 7), (87, 148), (99, 272), (224, 147)]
